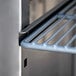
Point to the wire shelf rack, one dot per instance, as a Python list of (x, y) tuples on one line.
[(58, 34)]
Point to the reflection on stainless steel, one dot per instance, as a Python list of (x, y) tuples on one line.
[(40, 7)]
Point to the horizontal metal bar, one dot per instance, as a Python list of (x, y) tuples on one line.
[(67, 16), (48, 30), (69, 42), (65, 34), (48, 48), (40, 29), (57, 32)]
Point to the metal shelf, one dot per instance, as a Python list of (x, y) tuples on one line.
[(57, 34)]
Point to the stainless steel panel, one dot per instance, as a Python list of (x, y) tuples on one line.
[(41, 63), (9, 26)]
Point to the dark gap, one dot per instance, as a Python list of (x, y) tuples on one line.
[(25, 62)]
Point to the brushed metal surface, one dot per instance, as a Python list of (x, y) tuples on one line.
[(9, 26), (42, 63)]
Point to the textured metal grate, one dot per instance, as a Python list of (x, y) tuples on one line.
[(57, 34)]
